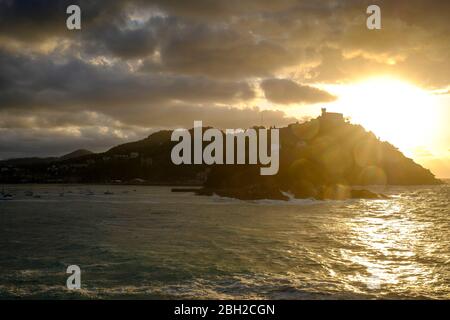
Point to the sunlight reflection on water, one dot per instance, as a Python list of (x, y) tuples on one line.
[(146, 242), (389, 243)]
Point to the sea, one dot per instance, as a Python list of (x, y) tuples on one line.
[(146, 242)]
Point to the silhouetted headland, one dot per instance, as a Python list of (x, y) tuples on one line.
[(323, 158)]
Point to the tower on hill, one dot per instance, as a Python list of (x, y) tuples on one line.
[(331, 116)]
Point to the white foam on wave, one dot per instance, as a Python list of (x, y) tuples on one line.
[(292, 200)]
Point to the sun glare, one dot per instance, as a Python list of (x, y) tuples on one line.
[(394, 110)]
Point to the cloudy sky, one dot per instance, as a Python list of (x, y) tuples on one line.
[(139, 66)]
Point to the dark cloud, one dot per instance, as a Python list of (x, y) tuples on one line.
[(285, 91), (234, 56), (43, 83), (208, 10), (123, 43), (32, 20), (245, 38), (214, 50), (36, 20)]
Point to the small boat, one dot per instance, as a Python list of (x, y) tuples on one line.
[(6, 196), (108, 192)]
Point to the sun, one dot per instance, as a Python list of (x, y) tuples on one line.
[(394, 110)]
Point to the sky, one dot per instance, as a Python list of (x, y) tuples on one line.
[(140, 66)]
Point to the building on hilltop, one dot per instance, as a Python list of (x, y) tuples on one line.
[(331, 116)]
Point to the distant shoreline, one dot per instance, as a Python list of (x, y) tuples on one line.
[(103, 184), (167, 184), (445, 181)]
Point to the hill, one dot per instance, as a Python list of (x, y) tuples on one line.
[(75, 154), (35, 161), (322, 158)]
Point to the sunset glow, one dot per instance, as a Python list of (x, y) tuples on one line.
[(394, 110), (225, 150)]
